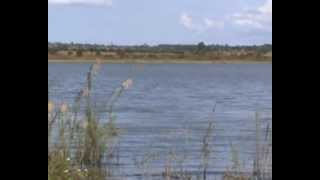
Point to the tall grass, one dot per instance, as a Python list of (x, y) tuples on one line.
[(206, 150), (262, 163), (263, 159), (79, 143)]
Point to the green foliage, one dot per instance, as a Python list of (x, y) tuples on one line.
[(201, 47), (161, 48)]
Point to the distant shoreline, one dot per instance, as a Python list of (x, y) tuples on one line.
[(159, 54), (157, 61)]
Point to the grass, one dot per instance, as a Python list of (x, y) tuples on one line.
[(81, 144), (262, 163), (78, 141)]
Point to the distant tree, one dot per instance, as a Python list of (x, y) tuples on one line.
[(201, 47)]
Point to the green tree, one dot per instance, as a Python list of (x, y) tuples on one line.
[(201, 47)]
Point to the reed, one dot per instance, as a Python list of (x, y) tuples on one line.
[(79, 143), (262, 163)]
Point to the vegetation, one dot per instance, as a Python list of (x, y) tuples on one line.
[(262, 164), (199, 51), (79, 143)]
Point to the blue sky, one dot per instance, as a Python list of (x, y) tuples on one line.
[(160, 21)]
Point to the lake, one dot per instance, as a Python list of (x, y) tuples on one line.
[(168, 108)]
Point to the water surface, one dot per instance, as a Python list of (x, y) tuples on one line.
[(169, 106)]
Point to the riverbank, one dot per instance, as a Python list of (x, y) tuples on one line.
[(157, 61)]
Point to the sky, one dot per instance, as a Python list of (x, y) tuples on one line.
[(129, 22)]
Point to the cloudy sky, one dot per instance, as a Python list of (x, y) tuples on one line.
[(161, 21)]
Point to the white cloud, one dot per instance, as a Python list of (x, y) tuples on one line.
[(82, 2), (188, 22), (266, 8), (259, 18), (210, 23)]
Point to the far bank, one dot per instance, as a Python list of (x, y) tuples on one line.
[(157, 61)]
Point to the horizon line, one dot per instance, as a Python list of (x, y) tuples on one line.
[(151, 44)]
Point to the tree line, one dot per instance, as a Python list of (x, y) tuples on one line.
[(161, 48)]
